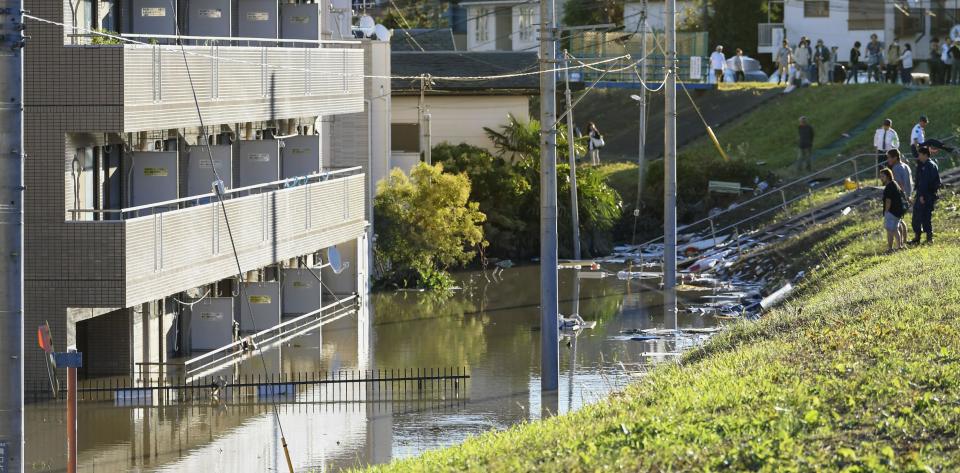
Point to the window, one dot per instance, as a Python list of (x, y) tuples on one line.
[(525, 23), (908, 25), (866, 15), (943, 21), (405, 137), (482, 34), (816, 9)]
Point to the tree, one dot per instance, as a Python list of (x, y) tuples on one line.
[(425, 224), (732, 23), (592, 12)]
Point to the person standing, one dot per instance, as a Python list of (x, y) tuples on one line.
[(855, 63), (805, 145), (784, 56), (596, 142), (832, 68), (904, 178), (955, 63), (927, 186), (946, 60), (801, 60), (892, 209), (885, 139), (874, 59), (906, 65), (738, 75), (918, 135), (893, 59), (822, 58), (936, 65), (718, 63)]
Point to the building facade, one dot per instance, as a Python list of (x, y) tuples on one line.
[(841, 23), (123, 232), (503, 25)]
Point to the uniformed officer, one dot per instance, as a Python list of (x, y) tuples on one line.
[(927, 185), (917, 136)]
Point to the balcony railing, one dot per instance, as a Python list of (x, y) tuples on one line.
[(152, 39), (765, 34), (113, 215)]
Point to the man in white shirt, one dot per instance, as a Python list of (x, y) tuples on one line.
[(718, 62), (884, 140), (918, 136)]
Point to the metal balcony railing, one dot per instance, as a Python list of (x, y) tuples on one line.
[(113, 215)]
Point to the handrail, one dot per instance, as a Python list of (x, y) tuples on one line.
[(268, 330), (298, 181), (240, 38), (778, 189)]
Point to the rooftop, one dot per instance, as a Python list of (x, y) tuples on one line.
[(467, 64)]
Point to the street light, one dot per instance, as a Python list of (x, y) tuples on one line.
[(641, 151)]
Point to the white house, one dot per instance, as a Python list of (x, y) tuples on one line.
[(841, 23), (503, 25), (632, 11)]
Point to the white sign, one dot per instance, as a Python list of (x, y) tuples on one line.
[(259, 157), (211, 13), (159, 11), (695, 68), (258, 16)]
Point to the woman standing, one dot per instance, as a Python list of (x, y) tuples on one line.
[(893, 200), (906, 65), (596, 142), (855, 63)]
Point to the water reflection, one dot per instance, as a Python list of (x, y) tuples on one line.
[(491, 327)]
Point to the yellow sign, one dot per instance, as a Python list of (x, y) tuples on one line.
[(260, 299), (155, 172)]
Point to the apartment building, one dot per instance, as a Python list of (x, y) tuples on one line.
[(840, 23), (123, 232), (503, 25)]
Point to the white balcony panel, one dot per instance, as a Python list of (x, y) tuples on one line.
[(237, 84), (176, 250)]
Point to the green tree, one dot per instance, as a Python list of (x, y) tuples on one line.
[(425, 224), (517, 140), (732, 23), (592, 12)]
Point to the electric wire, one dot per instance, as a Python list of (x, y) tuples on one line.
[(404, 20), (233, 245)]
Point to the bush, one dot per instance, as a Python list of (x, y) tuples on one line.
[(425, 224)]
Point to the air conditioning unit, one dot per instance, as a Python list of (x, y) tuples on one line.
[(210, 323), (302, 156), (261, 309), (301, 291), (153, 177), (300, 21), (200, 175), (258, 162), (157, 17), (209, 18), (258, 19)]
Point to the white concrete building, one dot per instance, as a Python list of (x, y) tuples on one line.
[(841, 23), (503, 25)]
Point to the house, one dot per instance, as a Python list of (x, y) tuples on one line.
[(503, 25), (457, 111), (840, 23), (123, 232)]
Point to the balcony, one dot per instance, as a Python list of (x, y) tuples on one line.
[(172, 246), (235, 81)]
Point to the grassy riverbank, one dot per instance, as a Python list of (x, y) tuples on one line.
[(859, 371)]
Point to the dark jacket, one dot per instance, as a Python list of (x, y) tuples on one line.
[(854, 56), (806, 136), (927, 180)]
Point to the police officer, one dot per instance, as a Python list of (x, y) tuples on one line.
[(927, 185)]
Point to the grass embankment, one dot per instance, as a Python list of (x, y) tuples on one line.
[(859, 371), (939, 104)]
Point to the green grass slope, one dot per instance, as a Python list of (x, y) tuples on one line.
[(859, 371)]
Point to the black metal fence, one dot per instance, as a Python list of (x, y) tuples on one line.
[(386, 385)]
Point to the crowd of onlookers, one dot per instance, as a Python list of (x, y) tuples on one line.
[(809, 62)]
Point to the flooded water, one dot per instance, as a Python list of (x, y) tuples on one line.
[(491, 328)]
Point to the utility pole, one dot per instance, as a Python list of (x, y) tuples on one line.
[(574, 208), (642, 135), (11, 238), (670, 167), (549, 330)]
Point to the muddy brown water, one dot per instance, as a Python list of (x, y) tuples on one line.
[(490, 327)]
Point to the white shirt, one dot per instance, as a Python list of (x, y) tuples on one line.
[(906, 60), (718, 61), (885, 140), (917, 135), (945, 54)]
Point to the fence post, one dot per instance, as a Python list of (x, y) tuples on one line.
[(783, 198), (713, 232), (813, 216)]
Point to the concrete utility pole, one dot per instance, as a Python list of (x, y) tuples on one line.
[(549, 330), (670, 167), (642, 135), (574, 208), (11, 237)]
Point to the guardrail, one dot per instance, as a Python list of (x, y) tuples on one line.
[(858, 168), (203, 199)]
